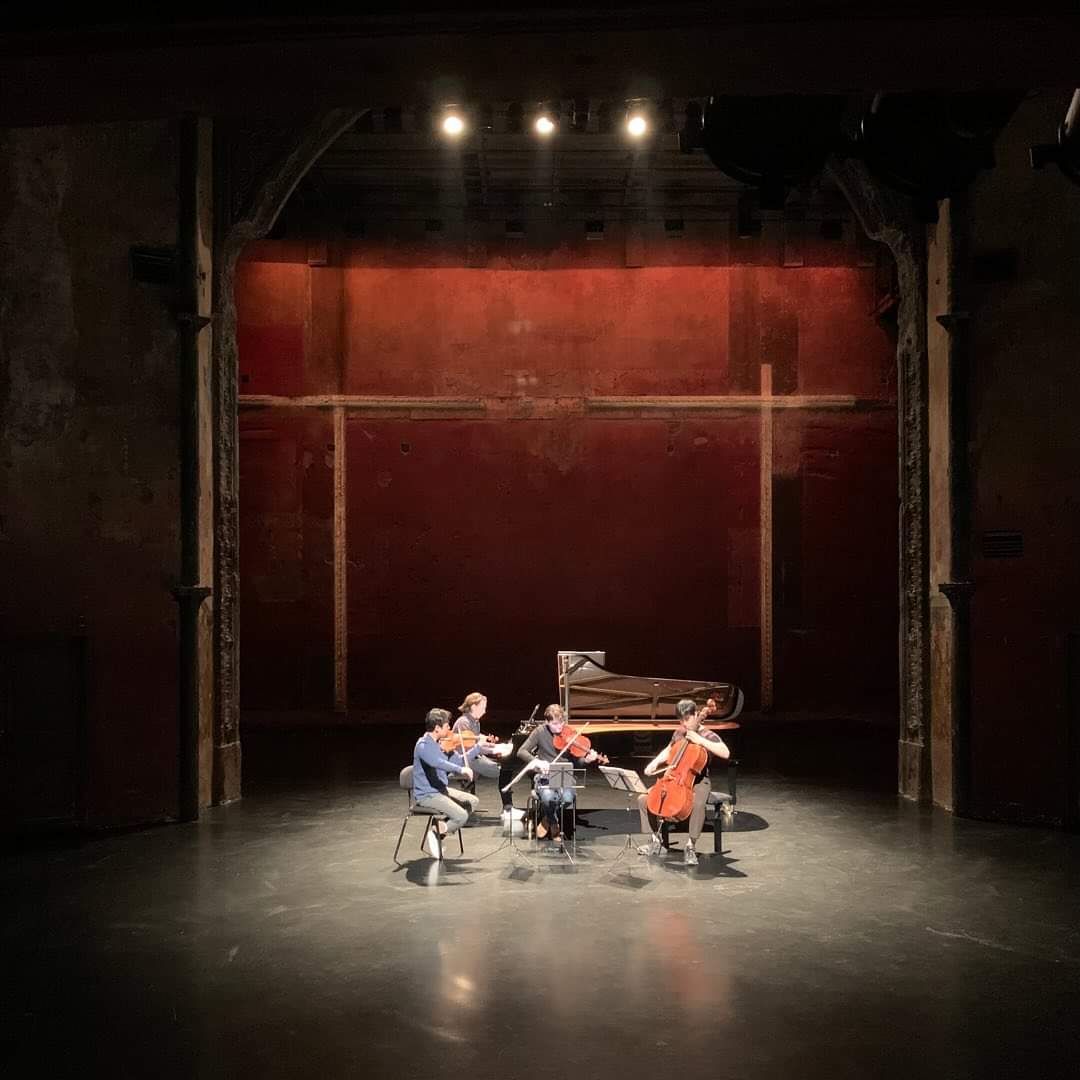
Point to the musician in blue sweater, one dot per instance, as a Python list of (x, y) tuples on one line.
[(431, 767)]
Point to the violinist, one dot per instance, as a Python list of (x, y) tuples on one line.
[(472, 711), (431, 764), (690, 728), (539, 750)]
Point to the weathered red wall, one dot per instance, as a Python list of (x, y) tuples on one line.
[(477, 548), (89, 414), (488, 546), (286, 559)]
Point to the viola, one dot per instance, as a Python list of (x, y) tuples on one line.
[(579, 746), (672, 796), (465, 741)]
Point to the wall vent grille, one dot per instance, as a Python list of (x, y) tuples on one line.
[(1002, 544)]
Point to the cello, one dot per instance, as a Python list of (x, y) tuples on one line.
[(672, 796)]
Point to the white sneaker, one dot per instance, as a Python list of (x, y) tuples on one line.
[(432, 844), (512, 813), (652, 848), (690, 855), (510, 827)]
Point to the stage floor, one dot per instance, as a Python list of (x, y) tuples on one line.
[(842, 933)]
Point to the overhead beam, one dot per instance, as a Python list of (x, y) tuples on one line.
[(660, 407)]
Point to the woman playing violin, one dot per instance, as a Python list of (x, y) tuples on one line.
[(690, 728), (541, 748), (472, 711)]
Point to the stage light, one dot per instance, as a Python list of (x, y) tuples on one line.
[(640, 119), (544, 119), (452, 122)]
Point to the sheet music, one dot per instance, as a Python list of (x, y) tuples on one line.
[(624, 779), (561, 774)]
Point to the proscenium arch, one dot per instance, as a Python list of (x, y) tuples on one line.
[(265, 202), (890, 219), (884, 215)]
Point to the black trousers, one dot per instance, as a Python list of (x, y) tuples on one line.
[(506, 774)]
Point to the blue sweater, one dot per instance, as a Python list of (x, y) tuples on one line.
[(431, 765)]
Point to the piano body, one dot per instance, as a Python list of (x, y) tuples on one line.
[(608, 702)]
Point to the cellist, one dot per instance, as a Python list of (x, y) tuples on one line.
[(691, 729)]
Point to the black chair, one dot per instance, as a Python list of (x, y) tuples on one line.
[(405, 780), (567, 814)]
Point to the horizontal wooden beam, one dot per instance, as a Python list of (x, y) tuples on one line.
[(538, 408), (665, 406), (386, 406)]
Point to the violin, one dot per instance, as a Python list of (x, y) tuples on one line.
[(672, 796), (465, 741), (579, 746)]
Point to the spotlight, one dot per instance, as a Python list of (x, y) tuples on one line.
[(545, 120), (640, 119), (452, 122)]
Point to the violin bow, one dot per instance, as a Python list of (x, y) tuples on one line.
[(507, 787), (528, 768), (581, 731), (461, 743)]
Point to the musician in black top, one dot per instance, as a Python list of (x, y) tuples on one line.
[(539, 750), (687, 712)]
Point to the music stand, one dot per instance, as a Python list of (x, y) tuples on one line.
[(509, 841), (560, 776), (510, 837), (631, 785)]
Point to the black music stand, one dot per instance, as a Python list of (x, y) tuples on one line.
[(510, 841), (562, 775), (631, 785)]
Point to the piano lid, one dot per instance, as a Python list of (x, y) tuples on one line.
[(592, 693)]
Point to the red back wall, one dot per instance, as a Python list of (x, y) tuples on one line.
[(478, 547)]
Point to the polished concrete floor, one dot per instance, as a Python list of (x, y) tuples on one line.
[(842, 933)]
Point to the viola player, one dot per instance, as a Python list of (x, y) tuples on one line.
[(539, 750), (472, 711), (690, 720)]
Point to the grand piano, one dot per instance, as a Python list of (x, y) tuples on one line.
[(608, 702)]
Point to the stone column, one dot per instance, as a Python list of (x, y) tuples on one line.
[(890, 219)]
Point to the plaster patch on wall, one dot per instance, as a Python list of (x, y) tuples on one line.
[(559, 444), (280, 576)]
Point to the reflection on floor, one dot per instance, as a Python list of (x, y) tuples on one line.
[(840, 933)]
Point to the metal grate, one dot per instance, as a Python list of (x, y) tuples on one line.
[(1002, 544), (154, 265)]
